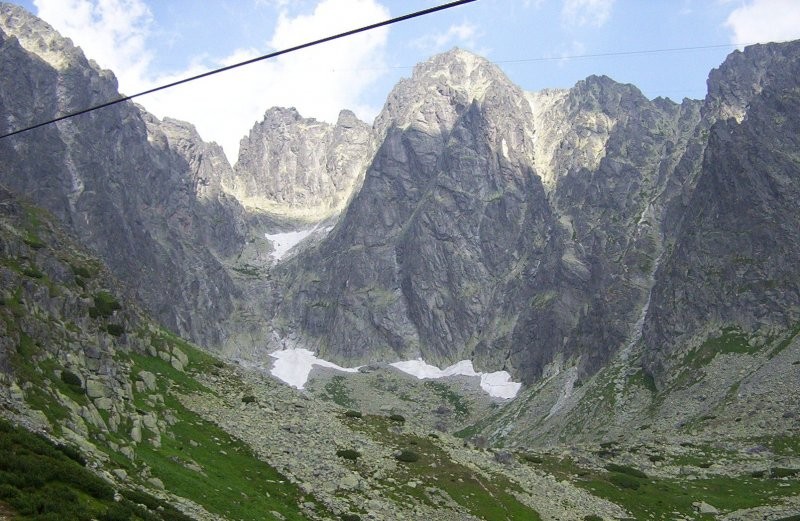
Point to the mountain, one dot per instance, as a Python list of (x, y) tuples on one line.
[(510, 228), (632, 261), (143, 194), (300, 168)]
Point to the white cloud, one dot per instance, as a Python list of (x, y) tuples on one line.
[(319, 81), (583, 13), (464, 34), (111, 32), (760, 21)]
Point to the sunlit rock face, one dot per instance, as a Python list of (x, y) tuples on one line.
[(298, 167), (496, 225), (140, 192)]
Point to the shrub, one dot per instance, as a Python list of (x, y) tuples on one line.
[(655, 458), (623, 469), (624, 481), (348, 454), (351, 517), (397, 418), (104, 305), (72, 453), (81, 271), (70, 378), (592, 517), (249, 399), (779, 472), (532, 458), (408, 456), (353, 414), (115, 329)]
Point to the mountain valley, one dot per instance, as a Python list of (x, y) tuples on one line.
[(631, 265)]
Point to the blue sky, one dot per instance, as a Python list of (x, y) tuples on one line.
[(538, 43)]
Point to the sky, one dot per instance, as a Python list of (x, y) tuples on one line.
[(664, 47)]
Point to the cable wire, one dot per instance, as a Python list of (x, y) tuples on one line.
[(122, 99)]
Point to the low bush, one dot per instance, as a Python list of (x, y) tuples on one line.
[(532, 458), (623, 469), (249, 399), (592, 517), (353, 414), (407, 456), (779, 472), (70, 378), (399, 418), (348, 454), (351, 517), (115, 329), (624, 481)]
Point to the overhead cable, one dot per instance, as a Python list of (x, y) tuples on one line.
[(243, 63)]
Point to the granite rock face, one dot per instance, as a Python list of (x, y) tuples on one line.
[(298, 167), (535, 231), (137, 191), (732, 260)]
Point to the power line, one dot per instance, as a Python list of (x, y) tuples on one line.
[(246, 62)]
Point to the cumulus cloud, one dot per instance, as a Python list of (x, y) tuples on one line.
[(760, 21), (319, 81), (112, 32), (586, 13), (464, 34)]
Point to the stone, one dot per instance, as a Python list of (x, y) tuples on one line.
[(120, 474), (148, 379)]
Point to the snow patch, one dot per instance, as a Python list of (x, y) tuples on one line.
[(497, 384), (293, 366), (283, 242)]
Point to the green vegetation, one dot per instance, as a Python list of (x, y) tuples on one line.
[(666, 499), (353, 414), (70, 378), (348, 454), (249, 399), (105, 304), (397, 418), (444, 392), (407, 456), (623, 469), (115, 329), (732, 340), (485, 497), (337, 391), (43, 481)]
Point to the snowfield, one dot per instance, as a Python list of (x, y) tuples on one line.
[(283, 242), (497, 384), (293, 366)]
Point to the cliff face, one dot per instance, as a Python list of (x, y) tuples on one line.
[(530, 232), (733, 259), (300, 168), (509, 228), (137, 191)]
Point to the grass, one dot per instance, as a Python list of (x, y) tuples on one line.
[(337, 391), (444, 392), (732, 340), (489, 498), (665, 499), (42, 481)]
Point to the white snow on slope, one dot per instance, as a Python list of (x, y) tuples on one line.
[(497, 384), (283, 242), (293, 366)]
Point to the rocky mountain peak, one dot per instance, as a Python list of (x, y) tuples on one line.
[(744, 74), (438, 91), (299, 167), (40, 38)]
